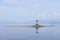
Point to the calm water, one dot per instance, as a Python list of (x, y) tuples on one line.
[(46, 33)]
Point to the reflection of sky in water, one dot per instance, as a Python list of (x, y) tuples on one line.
[(46, 33)]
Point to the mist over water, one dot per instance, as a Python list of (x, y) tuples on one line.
[(17, 33)]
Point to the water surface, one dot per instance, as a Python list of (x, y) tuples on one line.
[(17, 33)]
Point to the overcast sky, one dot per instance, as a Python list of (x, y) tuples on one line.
[(29, 10), (24, 10)]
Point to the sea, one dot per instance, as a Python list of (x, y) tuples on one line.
[(19, 33)]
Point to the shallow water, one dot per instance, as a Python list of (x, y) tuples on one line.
[(17, 33)]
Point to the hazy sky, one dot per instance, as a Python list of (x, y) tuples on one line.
[(24, 10), (28, 10)]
